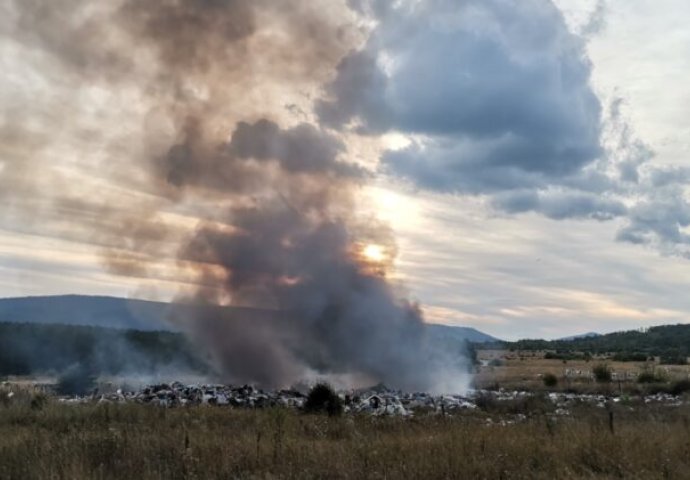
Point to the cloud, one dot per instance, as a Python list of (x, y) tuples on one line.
[(660, 222), (596, 22), (560, 205), (497, 101), (497, 94)]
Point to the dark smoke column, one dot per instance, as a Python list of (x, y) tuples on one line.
[(214, 186), (295, 252)]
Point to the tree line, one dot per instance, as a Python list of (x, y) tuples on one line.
[(669, 342)]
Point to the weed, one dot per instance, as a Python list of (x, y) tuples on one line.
[(323, 399)]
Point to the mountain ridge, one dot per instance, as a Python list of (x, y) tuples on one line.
[(146, 315)]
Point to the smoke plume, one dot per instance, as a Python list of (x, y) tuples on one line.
[(197, 160)]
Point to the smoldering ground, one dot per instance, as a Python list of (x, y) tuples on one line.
[(157, 132)]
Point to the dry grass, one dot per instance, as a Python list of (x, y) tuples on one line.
[(524, 371), (139, 442)]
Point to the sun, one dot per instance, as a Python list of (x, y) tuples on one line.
[(374, 253)]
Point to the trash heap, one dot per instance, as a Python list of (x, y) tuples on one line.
[(179, 395), (378, 401)]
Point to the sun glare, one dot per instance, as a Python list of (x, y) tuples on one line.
[(374, 253)]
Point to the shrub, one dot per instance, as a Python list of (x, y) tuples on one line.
[(5, 398), (550, 380), (38, 401), (629, 357), (647, 377), (602, 373), (679, 387), (323, 399)]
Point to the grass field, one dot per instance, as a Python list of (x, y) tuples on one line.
[(41, 438), (54, 441), (524, 371)]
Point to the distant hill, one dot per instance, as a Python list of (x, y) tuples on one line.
[(121, 313), (667, 341), (577, 337), (461, 333), (39, 348), (105, 335), (106, 312)]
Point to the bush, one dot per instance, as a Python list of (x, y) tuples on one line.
[(629, 357), (602, 373), (5, 398), (647, 377), (323, 399), (550, 380), (679, 387), (38, 401)]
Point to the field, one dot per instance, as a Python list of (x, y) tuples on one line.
[(523, 370), (41, 438), (521, 438), (109, 442)]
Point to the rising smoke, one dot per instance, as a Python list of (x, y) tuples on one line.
[(256, 208)]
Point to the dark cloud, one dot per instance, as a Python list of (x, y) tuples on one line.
[(490, 87), (357, 91), (660, 222), (496, 100), (629, 152), (560, 205)]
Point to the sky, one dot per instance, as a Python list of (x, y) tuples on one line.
[(531, 158)]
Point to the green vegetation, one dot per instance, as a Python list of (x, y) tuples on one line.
[(567, 355), (671, 342), (550, 380), (323, 399), (680, 387), (630, 357), (674, 359), (602, 373), (650, 377), (27, 349)]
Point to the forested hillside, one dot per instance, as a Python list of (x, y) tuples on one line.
[(43, 349), (671, 342)]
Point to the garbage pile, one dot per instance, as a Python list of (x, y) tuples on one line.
[(378, 401), (404, 404), (179, 395)]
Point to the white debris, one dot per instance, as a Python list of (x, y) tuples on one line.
[(377, 401)]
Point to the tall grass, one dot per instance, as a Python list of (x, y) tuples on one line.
[(140, 442)]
